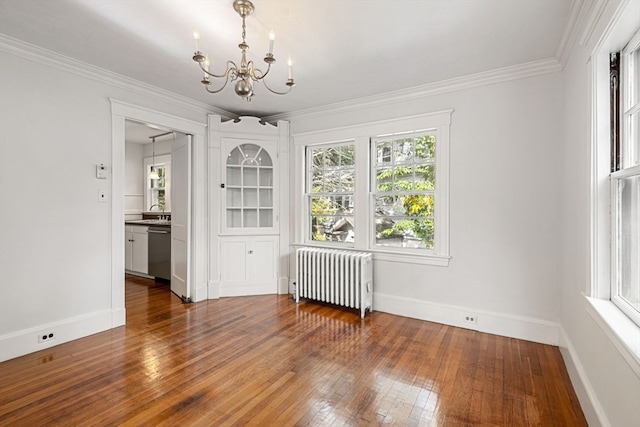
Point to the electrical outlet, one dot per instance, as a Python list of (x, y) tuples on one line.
[(46, 336), (470, 319)]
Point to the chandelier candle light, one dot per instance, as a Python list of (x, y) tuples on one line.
[(246, 73)]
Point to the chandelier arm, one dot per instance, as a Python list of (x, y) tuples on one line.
[(261, 74), (230, 67), (218, 90), (275, 91)]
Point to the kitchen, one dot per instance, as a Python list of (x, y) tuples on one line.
[(147, 201)]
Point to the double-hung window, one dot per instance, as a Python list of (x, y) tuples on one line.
[(381, 187), (403, 191), (625, 189), (330, 190), (157, 191)]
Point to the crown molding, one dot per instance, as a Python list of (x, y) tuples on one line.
[(499, 75), (52, 59), (575, 22), (595, 12)]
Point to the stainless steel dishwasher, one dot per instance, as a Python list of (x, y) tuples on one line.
[(160, 252)]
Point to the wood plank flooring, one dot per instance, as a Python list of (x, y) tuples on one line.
[(265, 361)]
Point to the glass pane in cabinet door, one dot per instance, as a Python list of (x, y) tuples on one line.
[(234, 197), (266, 198), (264, 159), (266, 218), (266, 177), (234, 175), (235, 157), (250, 152), (234, 218), (250, 198), (250, 177), (250, 218)]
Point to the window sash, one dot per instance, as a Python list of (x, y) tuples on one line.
[(330, 193), (625, 191), (407, 219)]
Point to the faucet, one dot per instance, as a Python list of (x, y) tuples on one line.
[(162, 217)]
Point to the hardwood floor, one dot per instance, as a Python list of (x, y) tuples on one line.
[(265, 361)]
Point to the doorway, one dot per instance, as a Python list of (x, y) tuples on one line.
[(156, 175), (193, 267)]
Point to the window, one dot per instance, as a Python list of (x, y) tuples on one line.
[(329, 193), (157, 191), (625, 189), (380, 187), (404, 169)]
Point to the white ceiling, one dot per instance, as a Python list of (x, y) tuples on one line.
[(342, 49)]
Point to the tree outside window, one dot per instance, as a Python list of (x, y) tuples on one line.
[(330, 189), (404, 190)]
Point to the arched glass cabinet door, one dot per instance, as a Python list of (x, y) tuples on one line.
[(249, 188)]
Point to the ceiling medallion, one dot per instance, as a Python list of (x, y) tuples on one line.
[(247, 73)]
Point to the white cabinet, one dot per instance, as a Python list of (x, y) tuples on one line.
[(249, 265), (136, 251)]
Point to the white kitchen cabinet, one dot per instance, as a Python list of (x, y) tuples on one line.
[(136, 252), (249, 265)]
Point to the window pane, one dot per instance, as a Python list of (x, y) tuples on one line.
[(348, 155), (332, 157), (403, 150), (333, 228), (403, 178), (629, 241), (426, 147), (347, 180), (425, 177), (330, 205), (383, 152), (405, 220)]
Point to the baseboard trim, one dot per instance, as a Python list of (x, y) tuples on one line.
[(590, 404), (214, 289), (525, 328), (26, 341)]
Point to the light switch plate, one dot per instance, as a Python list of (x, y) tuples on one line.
[(101, 171)]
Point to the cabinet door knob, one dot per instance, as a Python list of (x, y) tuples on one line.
[(250, 252)]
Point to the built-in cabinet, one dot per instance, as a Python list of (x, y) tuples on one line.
[(136, 249), (249, 264), (247, 201)]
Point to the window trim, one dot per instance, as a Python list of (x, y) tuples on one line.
[(361, 133)]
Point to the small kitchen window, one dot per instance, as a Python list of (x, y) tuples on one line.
[(158, 191)]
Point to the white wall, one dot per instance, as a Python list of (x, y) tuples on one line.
[(55, 237), (506, 150), (607, 385)]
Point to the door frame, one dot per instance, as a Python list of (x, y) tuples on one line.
[(120, 112)]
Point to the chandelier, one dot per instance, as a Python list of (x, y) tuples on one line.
[(247, 73)]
